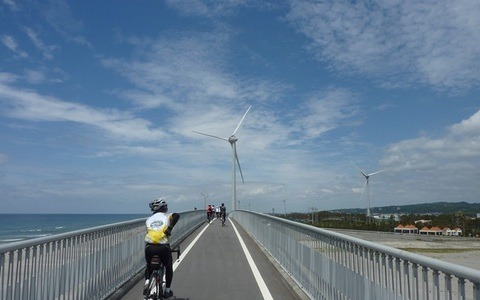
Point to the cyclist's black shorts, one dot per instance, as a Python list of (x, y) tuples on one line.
[(162, 250)]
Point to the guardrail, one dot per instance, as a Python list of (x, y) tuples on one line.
[(330, 265), (82, 264)]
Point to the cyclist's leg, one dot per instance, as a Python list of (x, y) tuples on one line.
[(148, 256), (148, 269), (166, 258)]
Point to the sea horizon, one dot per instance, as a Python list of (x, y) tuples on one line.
[(16, 227)]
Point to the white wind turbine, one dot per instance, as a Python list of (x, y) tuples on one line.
[(232, 140), (366, 186)]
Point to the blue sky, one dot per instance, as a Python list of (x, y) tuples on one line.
[(99, 101)]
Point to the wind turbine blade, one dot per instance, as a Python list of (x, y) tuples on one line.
[(375, 173), (363, 173), (210, 135), (240, 123), (238, 164)]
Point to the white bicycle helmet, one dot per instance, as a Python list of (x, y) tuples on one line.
[(158, 204)]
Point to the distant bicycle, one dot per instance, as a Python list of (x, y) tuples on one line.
[(155, 288), (223, 219), (223, 213)]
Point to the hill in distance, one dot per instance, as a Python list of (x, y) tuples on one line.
[(423, 208)]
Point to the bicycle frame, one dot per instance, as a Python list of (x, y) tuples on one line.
[(223, 219), (155, 289)]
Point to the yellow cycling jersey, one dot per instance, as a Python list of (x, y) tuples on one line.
[(157, 224)]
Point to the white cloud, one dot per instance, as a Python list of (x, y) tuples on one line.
[(428, 167), (327, 111), (9, 42), (13, 6), (206, 8), (461, 142), (185, 68), (47, 51), (59, 15), (35, 76), (469, 127), (435, 43), (32, 106)]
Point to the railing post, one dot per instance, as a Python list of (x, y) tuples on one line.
[(406, 281), (416, 292), (426, 293), (448, 287), (476, 291), (461, 289)]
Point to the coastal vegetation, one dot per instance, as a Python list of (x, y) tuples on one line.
[(443, 215)]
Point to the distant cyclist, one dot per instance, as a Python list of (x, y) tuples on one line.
[(159, 228), (223, 212), (209, 213)]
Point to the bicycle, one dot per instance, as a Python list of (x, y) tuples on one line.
[(223, 219), (155, 287), (209, 216)]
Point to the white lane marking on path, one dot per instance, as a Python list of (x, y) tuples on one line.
[(190, 246), (261, 283)]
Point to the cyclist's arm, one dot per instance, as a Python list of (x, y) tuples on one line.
[(174, 219)]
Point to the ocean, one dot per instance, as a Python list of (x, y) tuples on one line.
[(18, 227)]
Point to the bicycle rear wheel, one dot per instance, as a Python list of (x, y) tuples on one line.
[(159, 286), (155, 288)]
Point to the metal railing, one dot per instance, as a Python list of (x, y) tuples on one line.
[(83, 264), (330, 265)]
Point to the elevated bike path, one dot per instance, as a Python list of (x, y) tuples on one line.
[(215, 265)]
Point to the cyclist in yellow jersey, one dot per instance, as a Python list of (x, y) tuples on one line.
[(159, 228)]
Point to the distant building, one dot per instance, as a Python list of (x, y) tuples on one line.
[(452, 232), (406, 229), (423, 221), (431, 231), (386, 217), (427, 231)]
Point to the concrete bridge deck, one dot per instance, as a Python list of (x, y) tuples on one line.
[(225, 263)]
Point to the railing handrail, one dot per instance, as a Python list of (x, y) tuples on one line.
[(82, 264), (446, 267), (331, 265), (59, 236)]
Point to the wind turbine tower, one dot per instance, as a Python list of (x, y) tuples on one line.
[(232, 140), (205, 196), (366, 187)]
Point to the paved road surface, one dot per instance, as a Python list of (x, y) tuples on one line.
[(216, 267)]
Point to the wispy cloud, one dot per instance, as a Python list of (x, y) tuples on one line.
[(206, 8), (9, 42), (47, 51), (13, 6), (185, 68), (59, 15), (433, 43), (326, 111), (28, 105)]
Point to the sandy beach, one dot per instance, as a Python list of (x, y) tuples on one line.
[(458, 250)]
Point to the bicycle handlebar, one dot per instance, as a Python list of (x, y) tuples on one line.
[(177, 250)]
